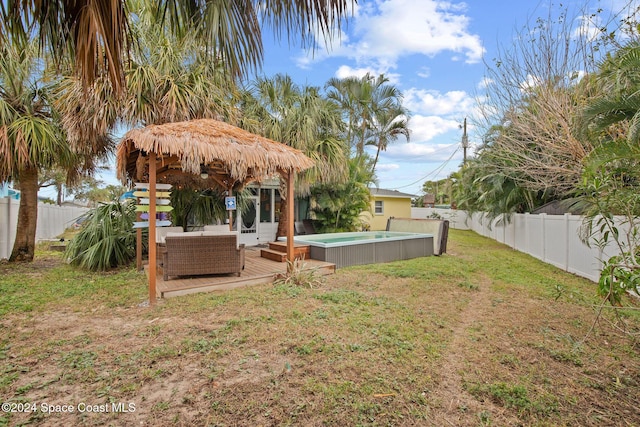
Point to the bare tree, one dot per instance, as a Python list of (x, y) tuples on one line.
[(534, 91)]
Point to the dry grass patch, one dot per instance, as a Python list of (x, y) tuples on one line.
[(480, 336)]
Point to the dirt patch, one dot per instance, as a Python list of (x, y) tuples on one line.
[(454, 405), (40, 263), (442, 341)]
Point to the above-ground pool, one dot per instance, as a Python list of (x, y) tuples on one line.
[(369, 247)]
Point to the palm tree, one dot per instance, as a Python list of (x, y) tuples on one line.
[(300, 117), (370, 107), (349, 94), (388, 125), (30, 136), (338, 207), (98, 34), (172, 78), (616, 112), (168, 78), (483, 187)]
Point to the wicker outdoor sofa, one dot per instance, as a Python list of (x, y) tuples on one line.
[(201, 253)]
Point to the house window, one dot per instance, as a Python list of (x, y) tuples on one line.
[(379, 207)]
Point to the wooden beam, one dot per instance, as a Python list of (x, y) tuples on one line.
[(139, 244), (230, 193), (290, 217), (165, 163), (152, 229)]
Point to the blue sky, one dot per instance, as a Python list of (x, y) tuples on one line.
[(434, 52)]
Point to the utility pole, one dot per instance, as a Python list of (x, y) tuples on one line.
[(465, 143)]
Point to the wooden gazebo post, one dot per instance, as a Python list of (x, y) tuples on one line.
[(139, 243), (230, 212), (290, 215), (152, 229)]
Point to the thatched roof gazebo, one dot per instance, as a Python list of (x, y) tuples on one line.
[(228, 154), (183, 153)]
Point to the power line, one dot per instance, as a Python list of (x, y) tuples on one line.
[(438, 150), (435, 171)]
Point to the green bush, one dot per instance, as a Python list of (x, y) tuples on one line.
[(107, 238)]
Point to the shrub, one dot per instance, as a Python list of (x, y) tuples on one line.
[(107, 238)]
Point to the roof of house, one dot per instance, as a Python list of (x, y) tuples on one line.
[(390, 193), (558, 207)]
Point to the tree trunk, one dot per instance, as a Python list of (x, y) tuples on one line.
[(24, 246), (375, 161), (283, 222), (59, 194)]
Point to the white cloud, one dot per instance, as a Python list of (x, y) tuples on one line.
[(347, 71), (588, 27), (424, 72), (416, 152), (530, 83), (485, 83), (426, 128), (337, 47), (387, 167), (382, 31), (434, 102), (393, 28), (620, 5)]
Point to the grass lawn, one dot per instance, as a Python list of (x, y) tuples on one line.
[(481, 336)]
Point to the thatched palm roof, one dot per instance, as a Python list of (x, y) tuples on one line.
[(230, 155)]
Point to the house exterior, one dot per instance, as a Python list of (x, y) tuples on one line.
[(386, 204), (429, 200), (5, 191), (259, 221)]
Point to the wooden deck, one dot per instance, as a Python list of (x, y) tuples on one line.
[(256, 271)]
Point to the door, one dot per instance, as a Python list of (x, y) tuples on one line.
[(250, 222)]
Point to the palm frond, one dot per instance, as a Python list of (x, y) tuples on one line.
[(107, 238)]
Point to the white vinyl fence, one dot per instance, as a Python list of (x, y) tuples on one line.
[(554, 239), (52, 221)]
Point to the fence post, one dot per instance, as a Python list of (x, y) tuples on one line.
[(514, 234), (567, 253), (7, 230), (504, 231), (543, 217), (527, 240)]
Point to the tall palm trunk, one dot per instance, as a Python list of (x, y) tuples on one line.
[(24, 246), (375, 161)]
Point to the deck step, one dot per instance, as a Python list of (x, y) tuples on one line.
[(273, 255), (299, 251)]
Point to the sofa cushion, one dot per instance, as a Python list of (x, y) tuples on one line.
[(222, 233), (161, 233), (218, 233), (220, 228), (185, 234), (205, 233)]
